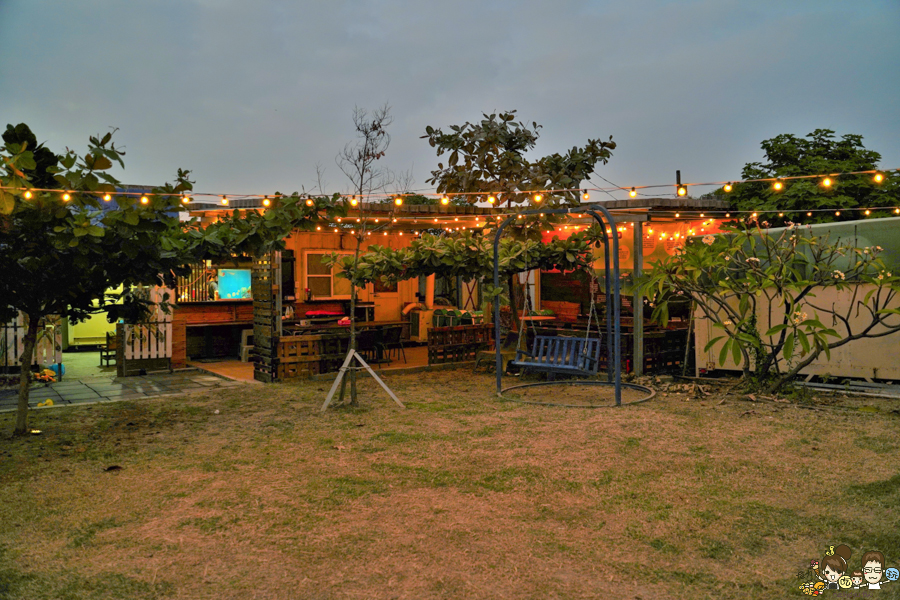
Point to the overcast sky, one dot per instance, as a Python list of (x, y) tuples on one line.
[(250, 96)]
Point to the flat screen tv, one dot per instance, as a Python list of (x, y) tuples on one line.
[(234, 284)]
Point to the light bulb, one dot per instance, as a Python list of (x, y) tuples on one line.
[(677, 215), (310, 202), (353, 201), (586, 196), (266, 201), (224, 201), (538, 197), (107, 197), (398, 201), (826, 182), (491, 200), (144, 200), (682, 191), (878, 178), (868, 212), (632, 193), (778, 186), (445, 200), (728, 187), (837, 213)]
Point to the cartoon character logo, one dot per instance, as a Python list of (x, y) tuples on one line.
[(832, 572)]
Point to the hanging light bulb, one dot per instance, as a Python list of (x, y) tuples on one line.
[(339, 219), (538, 198), (837, 213), (778, 186), (353, 201), (632, 193), (878, 178), (677, 215), (780, 214), (727, 215), (491, 200), (826, 182), (868, 212), (27, 195), (809, 214), (682, 190), (318, 228), (144, 200), (897, 211), (310, 202), (398, 201), (586, 196), (185, 199), (266, 201), (728, 187), (445, 200), (224, 200), (106, 197)]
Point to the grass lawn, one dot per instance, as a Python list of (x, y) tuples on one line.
[(459, 496)]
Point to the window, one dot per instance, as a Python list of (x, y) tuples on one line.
[(321, 280)]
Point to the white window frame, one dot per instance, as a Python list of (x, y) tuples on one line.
[(306, 275)]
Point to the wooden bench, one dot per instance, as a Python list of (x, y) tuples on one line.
[(566, 355)]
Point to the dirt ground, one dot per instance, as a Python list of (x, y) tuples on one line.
[(251, 492)]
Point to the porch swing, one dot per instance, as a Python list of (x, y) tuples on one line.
[(557, 354), (573, 356)]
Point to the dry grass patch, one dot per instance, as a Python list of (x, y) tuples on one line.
[(460, 496)]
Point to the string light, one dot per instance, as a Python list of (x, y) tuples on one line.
[(310, 202), (185, 199), (778, 186), (586, 196), (878, 178), (398, 201), (677, 215), (144, 200), (338, 219), (826, 182), (353, 201), (728, 187), (809, 214), (107, 197), (538, 198), (780, 214), (445, 200), (491, 200), (837, 213), (266, 201), (66, 197), (868, 212), (224, 201), (682, 190), (632, 193)]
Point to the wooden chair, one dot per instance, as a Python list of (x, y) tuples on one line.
[(108, 351)]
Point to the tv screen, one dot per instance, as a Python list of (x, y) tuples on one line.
[(234, 284)]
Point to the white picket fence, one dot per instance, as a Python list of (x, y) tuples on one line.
[(154, 338), (12, 343)]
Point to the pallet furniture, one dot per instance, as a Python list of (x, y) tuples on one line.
[(565, 355), (458, 344)]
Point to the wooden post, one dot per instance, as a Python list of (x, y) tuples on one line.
[(638, 302)]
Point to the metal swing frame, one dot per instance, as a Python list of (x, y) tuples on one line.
[(613, 328)]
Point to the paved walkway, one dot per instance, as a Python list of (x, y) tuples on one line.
[(120, 388)]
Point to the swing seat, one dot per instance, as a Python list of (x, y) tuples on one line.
[(569, 356)]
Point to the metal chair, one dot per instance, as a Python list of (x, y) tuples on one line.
[(392, 339)]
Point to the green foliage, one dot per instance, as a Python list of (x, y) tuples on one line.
[(488, 157), (728, 276), (60, 256), (818, 153), (468, 255)]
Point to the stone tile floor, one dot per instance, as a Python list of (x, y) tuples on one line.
[(105, 389)]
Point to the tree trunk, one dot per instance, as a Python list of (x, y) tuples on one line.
[(25, 375)]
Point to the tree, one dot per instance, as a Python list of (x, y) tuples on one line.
[(817, 154), (61, 253), (488, 158), (759, 289), (359, 162)]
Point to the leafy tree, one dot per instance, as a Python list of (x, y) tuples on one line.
[(58, 256), (759, 289), (488, 158), (819, 153)]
